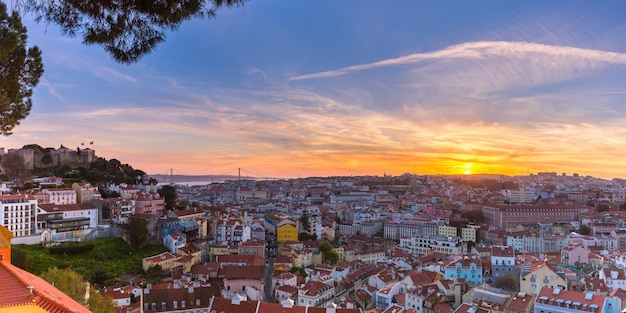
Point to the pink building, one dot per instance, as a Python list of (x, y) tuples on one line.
[(575, 253), (246, 280), (598, 228), (513, 215), (149, 203)]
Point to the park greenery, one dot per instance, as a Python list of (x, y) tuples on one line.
[(74, 285), (102, 264)]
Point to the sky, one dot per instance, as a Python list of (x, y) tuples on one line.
[(283, 88)]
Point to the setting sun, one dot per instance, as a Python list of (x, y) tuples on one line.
[(467, 169)]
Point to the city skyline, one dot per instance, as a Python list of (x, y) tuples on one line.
[(287, 89)]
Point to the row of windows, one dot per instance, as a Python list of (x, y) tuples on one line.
[(13, 208), (153, 305), (13, 226)]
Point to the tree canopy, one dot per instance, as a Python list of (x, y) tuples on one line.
[(20, 70), (475, 216), (68, 281), (126, 29), (138, 232), (13, 164), (584, 230), (507, 282), (73, 285), (328, 255), (169, 194)]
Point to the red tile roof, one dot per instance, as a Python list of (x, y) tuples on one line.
[(14, 291), (521, 302), (51, 207), (242, 272)]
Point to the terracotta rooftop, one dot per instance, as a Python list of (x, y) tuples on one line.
[(520, 302), (15, 292), (51, 207)]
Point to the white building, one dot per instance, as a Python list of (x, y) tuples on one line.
[(174, 241), (66, 221), (315, 221), (18, 213), (61, 195), (434, 243), (518, 196), (408, 228), (315, 294)]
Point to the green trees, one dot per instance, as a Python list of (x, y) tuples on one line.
[(507, 282), (127, 29), (169, 193), (602, 207), (475, 216), (73, 285), (328, 255), (584, 230), (305, 236), (13, 163), (138, 232), (98, 303), (68, 281), (20, 70)]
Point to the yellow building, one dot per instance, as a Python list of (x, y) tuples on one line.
[(470, 233), (219, 250), (286, 230), (541, 275), (166, 260), (448, 231), (340, 253)]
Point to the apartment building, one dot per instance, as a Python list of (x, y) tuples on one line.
[(61, 195), (557, 300), (513, 215), (18, 213), (434, 243)]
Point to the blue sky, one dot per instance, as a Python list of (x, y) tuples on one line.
[(319, 88)]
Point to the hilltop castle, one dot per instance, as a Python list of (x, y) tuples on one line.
[(49, 157)]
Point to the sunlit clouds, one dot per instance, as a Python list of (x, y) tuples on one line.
[(496, 102)]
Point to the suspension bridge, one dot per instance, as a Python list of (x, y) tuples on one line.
[(171, 176)]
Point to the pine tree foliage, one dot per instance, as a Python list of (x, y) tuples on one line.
[(20, 70)]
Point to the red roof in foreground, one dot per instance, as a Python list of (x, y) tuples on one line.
[(15, 291)]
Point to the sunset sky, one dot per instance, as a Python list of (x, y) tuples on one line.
[(284, 88)]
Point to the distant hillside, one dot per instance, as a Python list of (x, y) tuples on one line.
[(71, 165)]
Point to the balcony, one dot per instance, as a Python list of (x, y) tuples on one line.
[(69, 223)]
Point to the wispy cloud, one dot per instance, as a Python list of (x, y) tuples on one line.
[(547, 55), (112, 75), (52, 89)]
